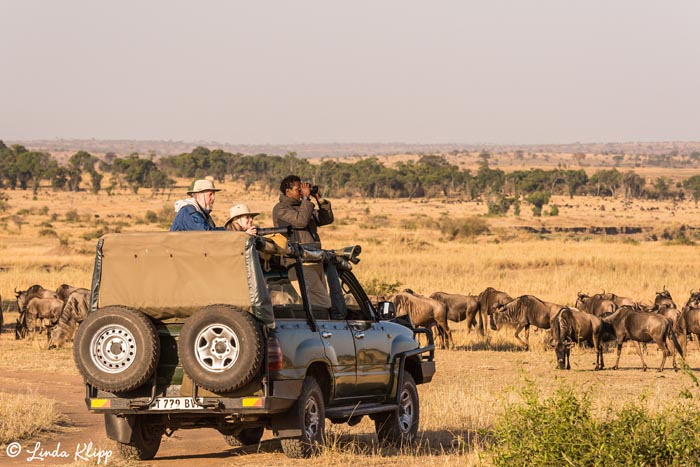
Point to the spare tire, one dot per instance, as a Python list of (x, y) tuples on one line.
[(116, 349), (221, 348)]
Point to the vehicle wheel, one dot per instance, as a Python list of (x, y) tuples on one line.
[(116, 349), (145, 440), (245, 437), (401, 426), (221, 348), (310, 413)]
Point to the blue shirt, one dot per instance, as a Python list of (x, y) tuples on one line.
[(188, 218)]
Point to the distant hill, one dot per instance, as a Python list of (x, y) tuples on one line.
[(335, 150)]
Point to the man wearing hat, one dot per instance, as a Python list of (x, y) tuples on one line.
[(193, 213), (241, 219)]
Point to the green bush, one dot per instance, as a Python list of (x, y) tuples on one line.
[(561, 430), (377, 287), (554, 210), (463, 228)]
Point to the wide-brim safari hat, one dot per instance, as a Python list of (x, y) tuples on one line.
[(202, 185), (240, 210)]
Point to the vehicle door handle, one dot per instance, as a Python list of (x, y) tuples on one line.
[(326, 334), (360, 335)]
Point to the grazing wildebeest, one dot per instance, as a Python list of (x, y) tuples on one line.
[(595, 304), (459, 307), (425, 312), (45, 311), (24, 297), (523, 312), (571, 326), (2, 318), (630, 324), (74, 312), (488, 299)]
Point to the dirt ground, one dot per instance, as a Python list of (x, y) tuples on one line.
[(469, 391)]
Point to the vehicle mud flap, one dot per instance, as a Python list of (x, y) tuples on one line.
[(285, 425), (119, 428)]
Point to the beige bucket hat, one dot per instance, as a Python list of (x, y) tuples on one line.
[(202, 185), (239, 210)]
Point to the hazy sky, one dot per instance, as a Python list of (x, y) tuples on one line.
[(488, 71)]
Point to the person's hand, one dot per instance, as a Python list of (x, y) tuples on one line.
[(252, 230), (305, 189)]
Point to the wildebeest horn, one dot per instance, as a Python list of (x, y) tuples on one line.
[(581, 295)]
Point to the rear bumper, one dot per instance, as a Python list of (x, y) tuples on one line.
[(284, 395)]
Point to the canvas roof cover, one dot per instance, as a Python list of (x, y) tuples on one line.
[(174, 274)]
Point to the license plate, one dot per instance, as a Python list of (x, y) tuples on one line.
[(175, 403)]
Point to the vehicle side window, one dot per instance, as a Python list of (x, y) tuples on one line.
[(355, 301)]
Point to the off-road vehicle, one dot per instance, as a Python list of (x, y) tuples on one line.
[(206, 329)]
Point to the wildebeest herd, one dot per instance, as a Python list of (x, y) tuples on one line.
[(594, 320), (57, 313)]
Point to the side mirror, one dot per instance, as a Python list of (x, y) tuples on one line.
[(387, 310)]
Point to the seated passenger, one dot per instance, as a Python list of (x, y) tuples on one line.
[(241, 219)]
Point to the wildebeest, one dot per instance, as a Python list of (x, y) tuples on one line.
[(74, 312), (488, 299), (49, 307), (2, 319), (690, 317), (595, 304), (424, 311), (523, 312), (630, 324), (459, 307), (663, 299), (571, 326)]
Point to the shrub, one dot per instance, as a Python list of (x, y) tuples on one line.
[(3, 201), (72, 216), (562, 431), (377, 287), (463, 228), (538, 199), (498, 205), (554, 211), (48, 233), (151, 217)]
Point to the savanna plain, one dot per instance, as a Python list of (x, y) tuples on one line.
[(50, 239)]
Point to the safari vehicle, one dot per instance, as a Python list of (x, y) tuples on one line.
[(205, 329)]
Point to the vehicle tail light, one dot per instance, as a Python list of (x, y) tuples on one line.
[(274, 354)]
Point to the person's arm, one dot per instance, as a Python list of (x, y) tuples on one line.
[(297, 218), (325, 212)]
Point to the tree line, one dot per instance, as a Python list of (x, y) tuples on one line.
[(429, 176)]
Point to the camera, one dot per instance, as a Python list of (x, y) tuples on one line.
[(314, 190)]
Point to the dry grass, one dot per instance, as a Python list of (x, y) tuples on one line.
[(25, 415), (402, 243)]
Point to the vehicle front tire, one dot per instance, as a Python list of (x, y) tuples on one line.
[(400, 427), (310, 413), (145, 440), (116, 349), (221, 348)]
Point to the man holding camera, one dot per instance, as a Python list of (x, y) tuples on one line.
[(295, 208)]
